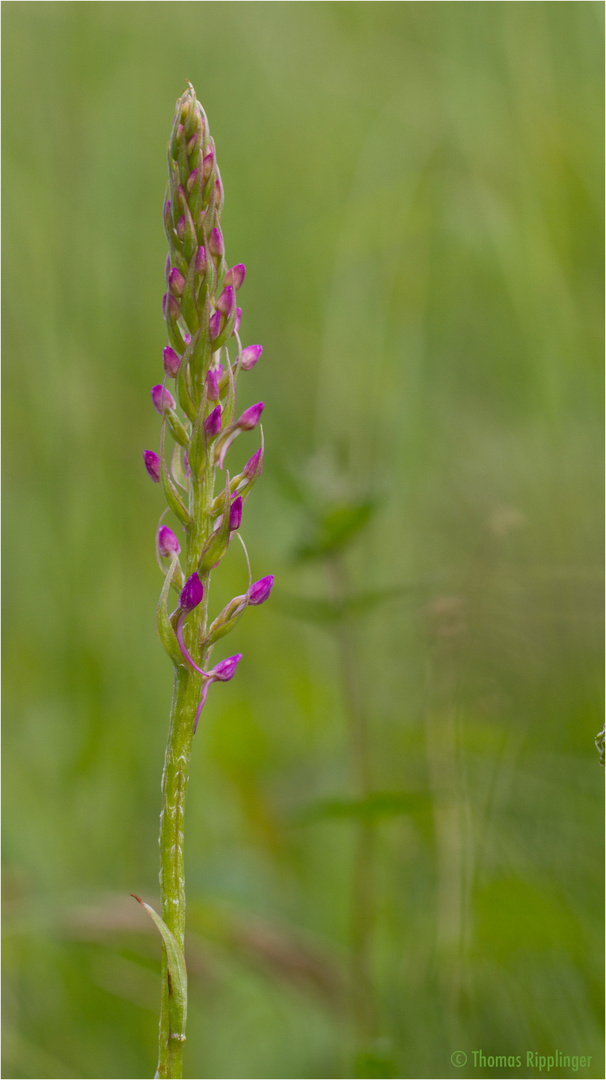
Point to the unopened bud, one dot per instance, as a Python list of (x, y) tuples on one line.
[(193, 143), (172, 362), (181, 227), (250, 417), (214, 325), (208, 164), (191, 594), (213, 383), (250, 355), (215, 242), (192, 179), (225, 303), (200, 259), (163, 400), (236, 275), (167, 542), (212, 424), (152, 464), (260, 590), (235, 514), (225, 670), (255, 463), (170, 306), (176, 282)]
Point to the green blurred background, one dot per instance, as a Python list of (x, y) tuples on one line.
[(416, 191)]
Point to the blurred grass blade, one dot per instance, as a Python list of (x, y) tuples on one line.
[(327, 612), (337, 528), (381, 804)]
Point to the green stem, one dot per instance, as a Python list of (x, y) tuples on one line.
[(172, 876), (186, 697)]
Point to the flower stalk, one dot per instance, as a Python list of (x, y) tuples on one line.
[(204, 356)]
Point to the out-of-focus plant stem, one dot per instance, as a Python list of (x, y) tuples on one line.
[(363, 1003)]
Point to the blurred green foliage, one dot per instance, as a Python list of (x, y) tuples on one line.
[(416, 191)]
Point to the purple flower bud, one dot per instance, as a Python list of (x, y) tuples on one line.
[(172, 362), (250, 417), (225, 670), (236, 275), (214, 325), (213, 380), (208, 164), (200, 259), (191, 594), (192, 179), (152, 464), (176, 282), (235, 514), (250, 355), (212, 424), (192, 144), (225, 303), (256, 462), (170, 306), (163, 400), (215, 242), (261, 590), (237, 322), (167, 542), (181, 227)]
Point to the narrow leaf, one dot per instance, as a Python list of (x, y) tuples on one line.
[(165, 629), (177, 972)]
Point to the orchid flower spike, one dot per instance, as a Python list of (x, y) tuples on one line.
[(203, 355)]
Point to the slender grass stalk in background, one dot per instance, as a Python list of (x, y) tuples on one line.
[(202, 321), (362, 884)]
